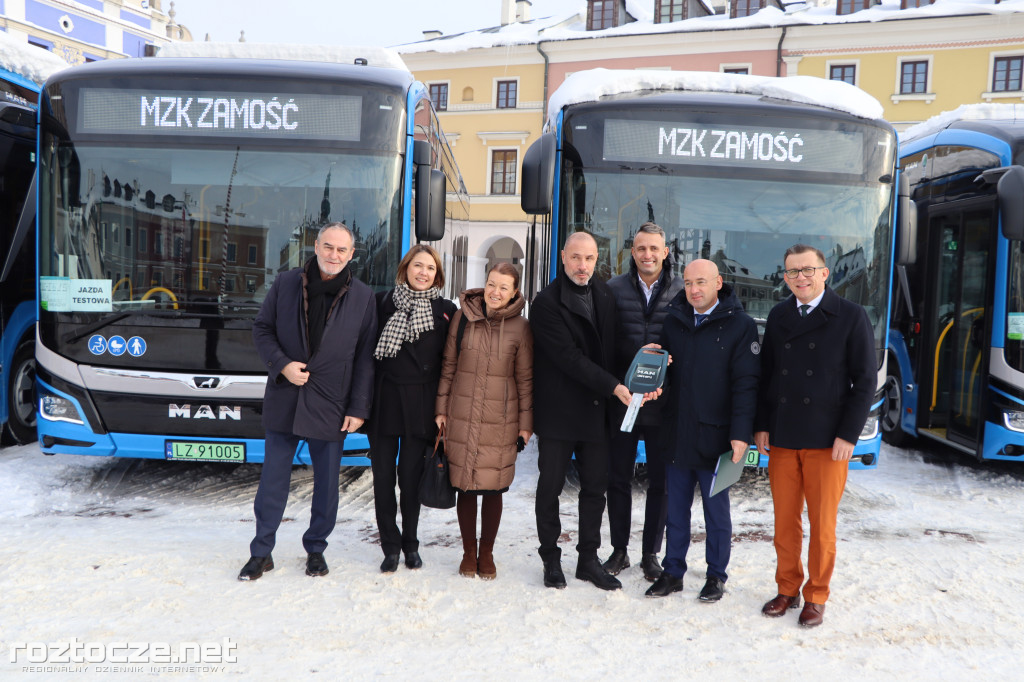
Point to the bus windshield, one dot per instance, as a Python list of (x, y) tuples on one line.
[(173, 231), (741, 208)]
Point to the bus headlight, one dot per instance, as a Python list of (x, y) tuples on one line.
[(1014, 420), (55, 408), (870, 429)]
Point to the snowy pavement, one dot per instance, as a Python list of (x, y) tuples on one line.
[(929, 583)]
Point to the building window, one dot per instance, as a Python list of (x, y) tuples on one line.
[(128, 237), (666, 11), (846, 73), (253, 254), (250, 285), (158, 243), (740, 70), (229, 284), (851, 6), (746, 8), (204, 249), (507, 94), (142, 239), (1006, 74), (179, 247), (439, 96), (232, 254), (503, 171), (601, 15), (158, 278), (909, 4), (913, 78)]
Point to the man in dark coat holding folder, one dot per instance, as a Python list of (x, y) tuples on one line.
[(712, 399), (315, 334)]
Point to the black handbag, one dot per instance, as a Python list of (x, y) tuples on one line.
[(435, 487)]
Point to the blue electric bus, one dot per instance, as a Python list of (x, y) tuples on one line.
[(956, 340), (23, 69), (736, 169), (171, 194)]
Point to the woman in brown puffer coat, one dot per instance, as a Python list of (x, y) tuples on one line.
[(485, 403)]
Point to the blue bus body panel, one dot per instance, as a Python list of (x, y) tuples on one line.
[(415, 94), (898, 348), (22, 320), (151, 446), (996, 438)]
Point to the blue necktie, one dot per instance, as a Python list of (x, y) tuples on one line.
[(699, 319)]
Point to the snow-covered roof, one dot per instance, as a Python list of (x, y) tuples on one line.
[(965, 112), (27, 60), (591, 85), (340, 54), (573, 26)]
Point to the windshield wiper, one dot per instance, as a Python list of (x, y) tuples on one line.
[(96, 326)]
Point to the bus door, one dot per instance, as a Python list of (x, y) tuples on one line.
[(958, 322)]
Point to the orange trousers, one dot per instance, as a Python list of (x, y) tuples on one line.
[(795, 476)]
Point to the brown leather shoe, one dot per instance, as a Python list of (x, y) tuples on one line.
[(779, 605), (812, 615)]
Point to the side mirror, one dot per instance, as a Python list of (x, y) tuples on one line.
[(538, 180), (1011, 202), (906, 246), (431, 195)]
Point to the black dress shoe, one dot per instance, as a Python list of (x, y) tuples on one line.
[(651, 567), (665, 585), (713, 590), (553, 576), (390, 563), (413, 560), (316, 564), (255, 567), (592, 571), (617, 562)]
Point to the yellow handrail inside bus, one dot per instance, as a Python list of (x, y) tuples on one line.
[(938, 346), (163, 290), (120, 282)]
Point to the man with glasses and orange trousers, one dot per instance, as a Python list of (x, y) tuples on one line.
[(818, 379)]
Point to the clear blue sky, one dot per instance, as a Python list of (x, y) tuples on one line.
[(352, 22)]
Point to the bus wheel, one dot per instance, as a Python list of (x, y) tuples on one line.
[(21, 404), (892, 409)]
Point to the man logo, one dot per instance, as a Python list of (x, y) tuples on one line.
[(205, 382), (204, 412)]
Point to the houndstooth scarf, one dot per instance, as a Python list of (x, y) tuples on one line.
[(412, 317)]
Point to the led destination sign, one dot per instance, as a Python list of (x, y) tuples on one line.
[(220, 114), (687, 143)]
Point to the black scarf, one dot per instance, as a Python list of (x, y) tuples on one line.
[(321, 294), (584, 294)]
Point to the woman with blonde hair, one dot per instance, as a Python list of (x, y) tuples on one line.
[(485, 404), (413, 322)]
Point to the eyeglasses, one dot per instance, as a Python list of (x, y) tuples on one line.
[(806, 272)]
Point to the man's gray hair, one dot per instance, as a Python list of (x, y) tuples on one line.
[(651, 228), (336, 226)]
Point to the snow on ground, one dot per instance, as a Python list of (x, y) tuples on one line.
[(928, 584)]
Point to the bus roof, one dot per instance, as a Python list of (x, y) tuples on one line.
[(595, 84), (1004, 121), (30, 62), (239, 68), (337, 54)]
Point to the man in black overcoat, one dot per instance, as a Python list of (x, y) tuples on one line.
[(315, 333), (712, 399), (819, 375), (573, 323)]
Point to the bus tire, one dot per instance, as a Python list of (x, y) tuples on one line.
[(21, 389), (892, 406)]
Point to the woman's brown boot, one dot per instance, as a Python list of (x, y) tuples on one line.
[(468, 567), (485, 563)]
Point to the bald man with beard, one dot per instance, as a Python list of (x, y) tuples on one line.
[(573, 323)]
